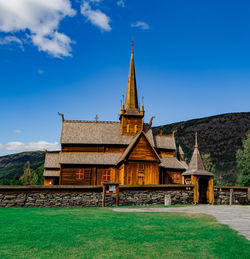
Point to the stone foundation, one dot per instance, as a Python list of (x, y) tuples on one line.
[(84, 196)]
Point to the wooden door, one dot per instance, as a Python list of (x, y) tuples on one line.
[(140, 174), (203, 190)]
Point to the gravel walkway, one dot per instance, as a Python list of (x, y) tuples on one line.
[(236, 217)]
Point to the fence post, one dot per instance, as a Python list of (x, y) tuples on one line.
[(167, 200), (103, 195), (231, 199)]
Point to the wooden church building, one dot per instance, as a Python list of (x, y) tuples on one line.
[(125, 151)]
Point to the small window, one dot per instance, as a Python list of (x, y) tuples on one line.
[(128, 128), (136, 128), (176, 177), (106, 176), (83, 174), (141, 167), (80, 174)]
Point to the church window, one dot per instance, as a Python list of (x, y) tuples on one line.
[(176, 178), (128, 126), (83, 174), (141, 168), (106, 176), (79, 174), (136, 128)]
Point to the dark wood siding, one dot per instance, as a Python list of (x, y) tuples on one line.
[(69, 175), (93, 148), (168, 176)]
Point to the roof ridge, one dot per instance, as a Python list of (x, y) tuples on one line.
[(86, 121)]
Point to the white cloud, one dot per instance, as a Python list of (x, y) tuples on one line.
[(32, 146), (17, 131), (40, 71), (140, 24), (96, 17), (40, 20), (121, 3), (10, 40)]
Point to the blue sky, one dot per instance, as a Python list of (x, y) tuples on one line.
[(192, 60)]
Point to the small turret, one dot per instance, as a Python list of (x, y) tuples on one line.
[(142, 111), (181, 155)]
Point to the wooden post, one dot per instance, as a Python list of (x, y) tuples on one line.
[(117, 195), (196, 188), (103, 195), (211, 190)]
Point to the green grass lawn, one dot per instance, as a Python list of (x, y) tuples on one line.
[(102, 233)]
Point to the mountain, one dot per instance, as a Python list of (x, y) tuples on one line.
[(14, 163), (220, 136)]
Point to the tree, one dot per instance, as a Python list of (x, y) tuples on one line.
[(16, 180), (27, 176), (243, 161), (39, 175), (5, 182), (210, 167)]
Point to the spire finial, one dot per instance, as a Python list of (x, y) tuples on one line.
[(132, 46), (196, 140), (131, 100)]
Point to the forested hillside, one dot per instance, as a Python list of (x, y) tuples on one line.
[(220, 136), (11, 165)]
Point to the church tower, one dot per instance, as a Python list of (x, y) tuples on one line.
[(131, 116)]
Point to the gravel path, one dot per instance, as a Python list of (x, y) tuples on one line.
[(236, 217)]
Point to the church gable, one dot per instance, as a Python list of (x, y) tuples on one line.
[(142, 150)]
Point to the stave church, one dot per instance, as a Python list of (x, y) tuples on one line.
[(125, 151)]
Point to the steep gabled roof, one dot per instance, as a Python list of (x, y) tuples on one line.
[(196, 166), (133, 143)]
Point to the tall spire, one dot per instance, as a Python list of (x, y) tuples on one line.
[(196, 162), (196, 140), (131, 101)]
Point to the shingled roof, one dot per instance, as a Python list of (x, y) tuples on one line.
[(91, 132), (52, 160), (164, 141), (50, 173), (196, 166), (90, 158), (172, 162)]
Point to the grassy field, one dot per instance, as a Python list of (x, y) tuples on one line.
[(102, 233)]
